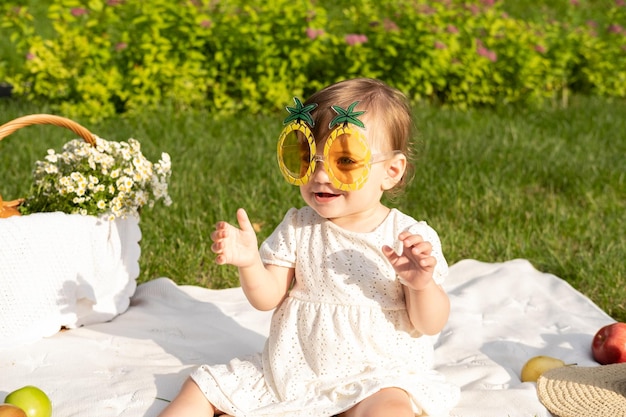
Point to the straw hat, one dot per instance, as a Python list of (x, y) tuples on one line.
[(576, 391)]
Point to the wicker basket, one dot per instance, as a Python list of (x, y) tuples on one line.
[(62, 270), (9, 208)]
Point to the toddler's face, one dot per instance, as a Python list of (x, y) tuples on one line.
[(340, 205)]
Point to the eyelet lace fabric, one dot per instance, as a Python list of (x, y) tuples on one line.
[(341, 335)]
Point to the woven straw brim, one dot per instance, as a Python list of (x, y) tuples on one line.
[(575, 391)]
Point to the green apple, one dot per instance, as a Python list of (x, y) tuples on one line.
[(32, 400), (10, 410), (538, 365)]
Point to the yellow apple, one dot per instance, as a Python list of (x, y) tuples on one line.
[(32, 400), (10, 410), (538, 365)]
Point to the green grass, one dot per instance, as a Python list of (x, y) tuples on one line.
[(548, 186)]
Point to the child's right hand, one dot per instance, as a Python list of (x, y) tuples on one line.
[(235, 246)]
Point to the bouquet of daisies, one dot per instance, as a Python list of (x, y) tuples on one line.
[(111, 180)]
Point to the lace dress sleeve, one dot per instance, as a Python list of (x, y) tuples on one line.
[(280, 247)]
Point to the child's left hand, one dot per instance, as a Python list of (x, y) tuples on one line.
[(415, 266)]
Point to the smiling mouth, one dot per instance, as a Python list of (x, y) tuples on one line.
[(325, 195)]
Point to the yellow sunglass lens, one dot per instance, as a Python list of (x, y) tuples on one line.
[(348, 157), (294, 153)]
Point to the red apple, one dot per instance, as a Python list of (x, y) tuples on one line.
[(609, 344), (10, 410)]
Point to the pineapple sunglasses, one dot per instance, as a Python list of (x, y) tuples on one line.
[(347, 157)]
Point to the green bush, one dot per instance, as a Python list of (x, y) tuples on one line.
[(103, 57)]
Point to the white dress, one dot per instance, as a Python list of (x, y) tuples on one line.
[(343, 332)]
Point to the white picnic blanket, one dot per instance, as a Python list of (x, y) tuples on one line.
[(502, 314)]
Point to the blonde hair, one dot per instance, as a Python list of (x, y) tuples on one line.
[(387, 117)]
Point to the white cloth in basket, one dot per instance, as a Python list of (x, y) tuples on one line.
[(66, 270)]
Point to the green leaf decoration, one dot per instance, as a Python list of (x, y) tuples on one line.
[(345, 116), (300, 113)]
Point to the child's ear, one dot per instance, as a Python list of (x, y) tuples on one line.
[(395, 169)]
